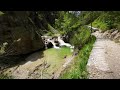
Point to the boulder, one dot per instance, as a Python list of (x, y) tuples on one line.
[(117, 36), (106, 34), (112, 30), (113, 34), (57, 44), (20, 33), (49, 45), (65, 38)]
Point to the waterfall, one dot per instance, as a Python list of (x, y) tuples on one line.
[(61, 43), (54, 45)]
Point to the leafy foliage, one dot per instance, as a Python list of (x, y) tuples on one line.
[(80, 37), (108, 20), (66, 22), (87, 17)]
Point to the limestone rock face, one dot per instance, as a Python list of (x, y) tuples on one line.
[(19, 32), (106, 34), (113, 34), (117, 36)]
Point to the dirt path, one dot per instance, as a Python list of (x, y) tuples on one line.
[(104, 61)]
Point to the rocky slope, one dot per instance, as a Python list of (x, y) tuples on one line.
[(112, 34), (20, 31)]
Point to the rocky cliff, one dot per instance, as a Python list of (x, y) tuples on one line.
[(19, 32)]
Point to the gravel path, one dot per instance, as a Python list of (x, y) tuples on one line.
[(104, 61)]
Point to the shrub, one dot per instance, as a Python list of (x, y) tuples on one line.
[(80, 37)]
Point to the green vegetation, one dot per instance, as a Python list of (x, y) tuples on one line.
[(108, 20), (86, 17), (102, 22), (66, 22), (77, 69), (80, 37)]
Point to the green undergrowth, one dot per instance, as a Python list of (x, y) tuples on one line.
[(80, 37), (77, 68), (108, 20), (101, 23)]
